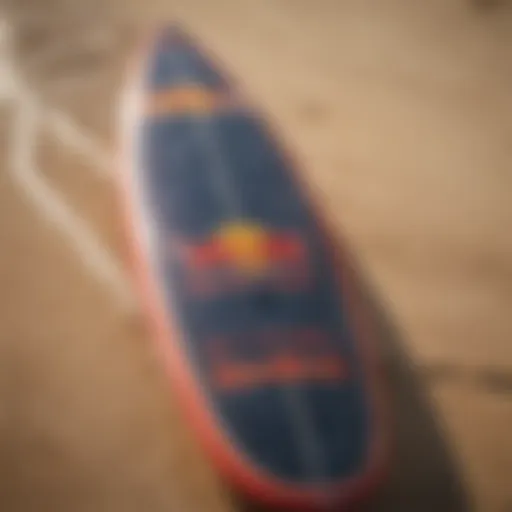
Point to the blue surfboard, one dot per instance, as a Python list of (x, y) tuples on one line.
[(247, 288)]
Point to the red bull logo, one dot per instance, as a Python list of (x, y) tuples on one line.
[(239, 254)]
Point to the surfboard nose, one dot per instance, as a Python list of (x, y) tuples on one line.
[(176, 62), (172, 35)]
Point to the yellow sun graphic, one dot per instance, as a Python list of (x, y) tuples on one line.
[(245, 243)]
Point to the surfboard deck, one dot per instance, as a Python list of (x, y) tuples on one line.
[(246, 288)]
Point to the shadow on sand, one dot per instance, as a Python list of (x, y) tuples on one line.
[(424, 476)]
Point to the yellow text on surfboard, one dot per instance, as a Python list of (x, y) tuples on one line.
[(187, 99)]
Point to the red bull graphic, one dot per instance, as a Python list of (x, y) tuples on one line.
[(286, 357), (239, 254)]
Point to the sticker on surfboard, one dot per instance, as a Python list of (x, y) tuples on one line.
[(245, 289)]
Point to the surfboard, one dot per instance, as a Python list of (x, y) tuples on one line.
[(246, 287)]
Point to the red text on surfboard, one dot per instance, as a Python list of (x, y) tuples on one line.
[(279, 357)]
